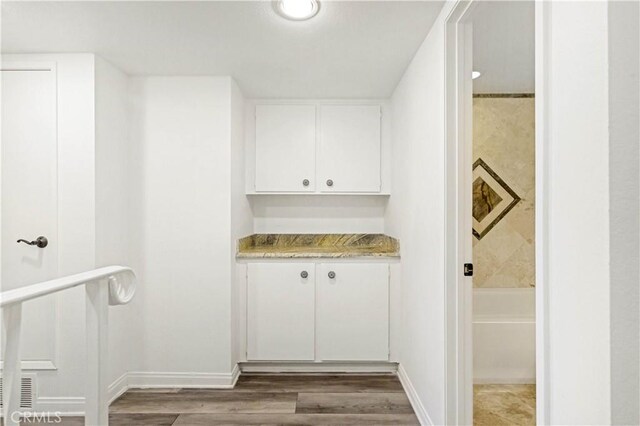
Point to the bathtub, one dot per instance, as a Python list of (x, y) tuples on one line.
[(504, 335)]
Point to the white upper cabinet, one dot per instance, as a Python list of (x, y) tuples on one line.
[(349, 148), (318, 148), (285, 148)]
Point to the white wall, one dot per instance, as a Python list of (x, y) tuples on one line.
[(592, 110), (76, 217), (182, 129), (415, 215), (318, 213), (577, 203), (149, 169), (579, 106), (624, 187), (113, 171)]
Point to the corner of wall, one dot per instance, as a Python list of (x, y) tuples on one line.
[(241, 214)]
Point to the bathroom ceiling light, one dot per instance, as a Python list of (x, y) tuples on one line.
[(475, 74), (297, 10)]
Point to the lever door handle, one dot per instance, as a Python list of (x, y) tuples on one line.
[(40, 242)]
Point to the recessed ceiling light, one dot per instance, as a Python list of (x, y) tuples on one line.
[(297, 10), (475, 74)]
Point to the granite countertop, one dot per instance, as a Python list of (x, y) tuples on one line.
[(317, 246)]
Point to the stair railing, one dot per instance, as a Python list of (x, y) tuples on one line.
[(111, 285)]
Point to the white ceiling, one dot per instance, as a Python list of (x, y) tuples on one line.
[(351, 49), (503, 47)]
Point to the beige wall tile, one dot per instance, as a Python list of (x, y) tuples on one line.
[(504, 137)]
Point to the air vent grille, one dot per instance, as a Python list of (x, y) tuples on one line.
[(27, 392)]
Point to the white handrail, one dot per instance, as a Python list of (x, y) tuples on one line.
[(111, 285), (34, 291)]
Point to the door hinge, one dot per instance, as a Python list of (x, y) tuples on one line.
[(468, 269)]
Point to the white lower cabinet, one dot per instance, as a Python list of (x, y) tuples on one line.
[(281, 312), (353, 312), (339, 312)]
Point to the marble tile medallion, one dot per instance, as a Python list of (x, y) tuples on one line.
[(493, 198)]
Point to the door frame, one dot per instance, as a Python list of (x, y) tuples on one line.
[(458, 220), (458, 161)]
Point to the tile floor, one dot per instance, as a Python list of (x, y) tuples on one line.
[(502, 405)]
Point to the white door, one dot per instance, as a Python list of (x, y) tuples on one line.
[(285, 148), (349, 150), (29, 198), (280, 312), (353, 312)]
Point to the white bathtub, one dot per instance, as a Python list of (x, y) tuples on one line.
[(504, 335)]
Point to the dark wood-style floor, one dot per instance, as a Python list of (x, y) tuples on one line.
[(270, 400)]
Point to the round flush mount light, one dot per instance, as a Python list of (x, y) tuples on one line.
[(475, 74), (297, 10)]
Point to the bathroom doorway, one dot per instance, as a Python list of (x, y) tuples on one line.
[(503, 213), (491, 213)]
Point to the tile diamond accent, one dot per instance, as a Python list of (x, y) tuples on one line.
[(485, 199), (493, 199)]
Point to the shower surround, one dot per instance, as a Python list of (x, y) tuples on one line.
[(503, 242), (504, 196)]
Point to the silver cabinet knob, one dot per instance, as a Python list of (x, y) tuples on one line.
[(305, 182), (331, 274), (304, 274), (329, 182)]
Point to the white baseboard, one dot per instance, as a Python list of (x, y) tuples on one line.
[(146, 379), (419, 409), (182, 380), (74, 406), (235, 375), (118, 387), (318, 367), (67, 406)]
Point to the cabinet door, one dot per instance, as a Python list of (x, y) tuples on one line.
[(285, 148), (280, 312), (353, 312), (349, 152)]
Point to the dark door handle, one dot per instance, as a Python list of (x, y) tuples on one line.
[(468, 269), (40, 242)]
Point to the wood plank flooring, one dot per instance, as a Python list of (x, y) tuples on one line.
[(270, 399)]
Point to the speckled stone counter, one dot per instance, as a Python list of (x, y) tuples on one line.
[(317, 246)]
